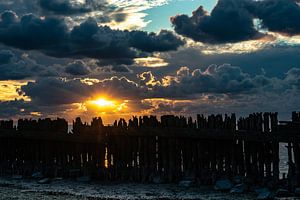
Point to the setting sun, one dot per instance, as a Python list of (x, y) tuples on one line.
[(105, 105), (102, 102)]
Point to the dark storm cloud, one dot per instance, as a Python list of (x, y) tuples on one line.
[(68, 91), (120, 68), (63, 7), (19, 108), (19, 6), (224, 79), (18, 66), (77, 67), (51, 36), (293, 77), (13, 108), (150, 42), (100, 9), (232, 21), (31, 32), (70, 8), (274, 60), (229, 21), (56, 91), (6, 56), (279, 15), (224, 88)]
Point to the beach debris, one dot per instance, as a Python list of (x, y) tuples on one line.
[(223, 185), (157, 180), (186, 183), (44, 181), (83, 179), (238, 189), (282, 193), (297, 192), (264, 194), (17, 177), (37, 175)]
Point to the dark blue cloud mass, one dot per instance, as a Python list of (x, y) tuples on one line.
[(77, 68), (52, 37), (6, 56), (63, 7), (233, 21), (228, 22)]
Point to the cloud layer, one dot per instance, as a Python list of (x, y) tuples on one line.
[(217, 89)]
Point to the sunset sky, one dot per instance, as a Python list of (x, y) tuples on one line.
[(109, 58)]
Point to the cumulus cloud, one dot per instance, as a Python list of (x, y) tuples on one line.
[(233, 21), (52, 37)]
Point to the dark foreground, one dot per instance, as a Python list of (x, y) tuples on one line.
[(67, 190), (58, 189)]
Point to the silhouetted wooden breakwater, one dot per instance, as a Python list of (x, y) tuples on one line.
[(145, 149)]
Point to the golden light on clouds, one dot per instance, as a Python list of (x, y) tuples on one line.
[(36, 114), (9, 90), (152, 62)]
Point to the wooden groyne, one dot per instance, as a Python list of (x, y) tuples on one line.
[(145, 149)]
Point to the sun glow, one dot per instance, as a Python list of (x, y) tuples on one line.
[(105, 105), (103, 102)]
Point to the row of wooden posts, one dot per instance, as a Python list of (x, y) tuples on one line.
[(145, 149)]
